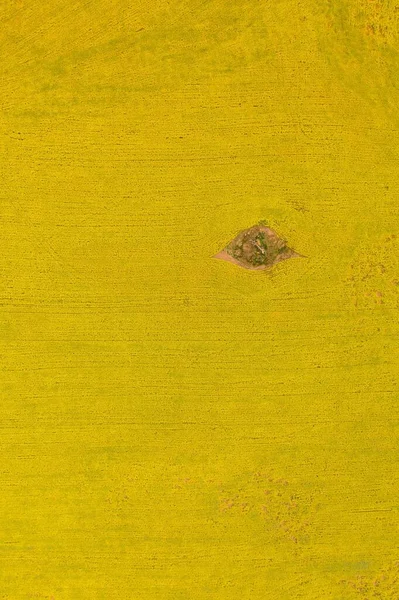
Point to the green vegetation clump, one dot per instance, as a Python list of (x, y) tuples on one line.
[(258, 246)]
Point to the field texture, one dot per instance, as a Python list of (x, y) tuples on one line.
[(172, 426)]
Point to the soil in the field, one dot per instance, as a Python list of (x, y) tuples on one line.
[(258, 247)]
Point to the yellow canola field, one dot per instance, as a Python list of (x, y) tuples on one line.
[(174, 427)]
